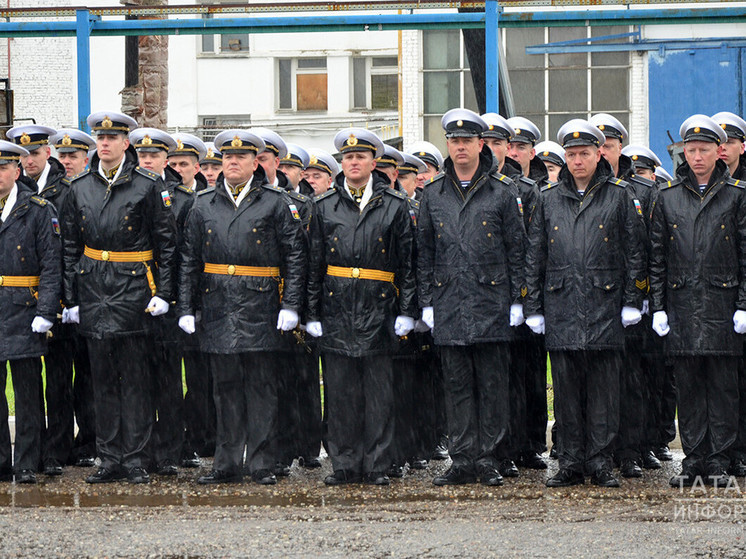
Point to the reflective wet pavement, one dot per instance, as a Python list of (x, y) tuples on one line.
[(175, 517)]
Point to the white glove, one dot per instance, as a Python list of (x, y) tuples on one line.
[(660, 323), (536, 323), (41, 325), (645, 306), (420, 326), (157, 306), (287, 320), (71, 316), (739, 322), (314, 329), (427, 317), (630, 316), (403, 325), (516, 315), (186, 323)]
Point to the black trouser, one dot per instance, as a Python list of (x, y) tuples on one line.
[(632, 408), (406, 425), (359, 395), (586, 402), (439, 396), (27, 387), (655, 375), (245, 393), (707, 389), (58, 440), (288, 421), (528, 397), (738, 452), (199, 405), (84, 445), (475, 380), (167, 441), (309, 404), (121, 370)]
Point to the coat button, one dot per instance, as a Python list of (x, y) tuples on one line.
[(493, 282), (441, 224), (556, 228), (601, 226), (380, 239), (489, 234), (207, 244), (126, 218), (383, 250), (133, 272), (336, 238), (209, 231), (726, 237), (674, 285), (722, 227), (675, 226), (331, 293), (259, 241), (551, 241), (725, 285), (608, 287), (440, 284), (606, 239), (332, 249), (253, 230), (484, 223), (671, 237)]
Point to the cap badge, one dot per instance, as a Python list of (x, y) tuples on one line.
[(546, 153), (210, 153), (422, 153), (106, 123), (723, 126), (146, 141), (459, 123), (313, 161), (179, 145), (601, 127), (236, 142), (517, 131), (352, 140), (66, 140), (576, 134), (697, 130), (635, 158), (492, 126), (25, 139)]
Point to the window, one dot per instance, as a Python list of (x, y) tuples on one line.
[(375, 83), (226, 43), (302, 84), (550, 89), (212, 125), (446, 80)]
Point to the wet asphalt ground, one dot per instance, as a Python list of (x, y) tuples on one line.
[(301, 517)]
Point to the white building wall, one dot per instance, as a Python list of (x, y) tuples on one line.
[(639, 128), (411, 69)]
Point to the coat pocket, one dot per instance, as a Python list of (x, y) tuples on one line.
[(725, 281)]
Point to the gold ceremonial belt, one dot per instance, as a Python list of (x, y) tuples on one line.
[(111, 256), (233, 270), (360, 273), (19, 281)]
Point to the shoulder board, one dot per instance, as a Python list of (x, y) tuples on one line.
[(737, 183), (274, 188), (396, 193), (297, 196), (147, 173), (65, 181), (621, 183), (436, 177), (207, 190), (548, 186), (527, 181), (670, 184), (79, 175), (185, 189), (325, 195), (39, 201), (414, 203), (502, 178), (637, 179)]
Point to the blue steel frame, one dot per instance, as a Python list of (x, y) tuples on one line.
[(87, 24)]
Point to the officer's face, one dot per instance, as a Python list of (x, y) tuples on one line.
[(319, 180), (645, 173), (408, 181), (186, 165), (9, 173), (34, 162), (523, 153), (111, 148), (553, 171), (464, 152), (612, 151), (582, 161), (702, 157), (153, 160), (499, 149), (269, 162), (239, 167), (391, 172), (732, 151), (211, 171), (293, 173), (357, 167), (74, 162), (422, 178)]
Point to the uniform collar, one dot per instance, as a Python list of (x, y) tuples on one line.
[(10, 202)]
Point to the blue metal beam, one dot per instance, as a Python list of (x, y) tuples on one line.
[(492, 56), (83, 22), (642, 45)]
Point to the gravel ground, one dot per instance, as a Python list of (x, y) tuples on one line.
[(172, 518)]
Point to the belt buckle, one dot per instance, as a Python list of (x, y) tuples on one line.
[(231, 270), (105, 255), (356, 273)]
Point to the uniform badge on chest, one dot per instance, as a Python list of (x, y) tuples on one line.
[(166, 198)]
